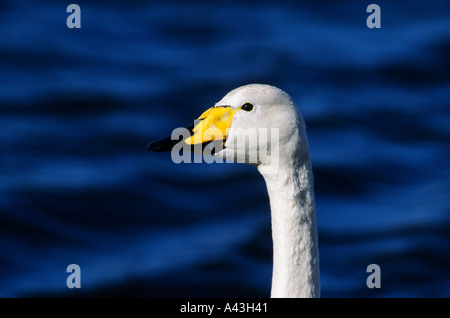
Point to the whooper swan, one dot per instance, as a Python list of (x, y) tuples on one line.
[(280, 153)]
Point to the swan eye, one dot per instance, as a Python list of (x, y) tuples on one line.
[(247, 107)]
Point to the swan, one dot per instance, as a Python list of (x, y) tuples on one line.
[(284, 163)]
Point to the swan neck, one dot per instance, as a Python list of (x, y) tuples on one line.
[(294, 229)]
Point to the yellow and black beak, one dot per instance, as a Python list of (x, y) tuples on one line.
[(214, 124)]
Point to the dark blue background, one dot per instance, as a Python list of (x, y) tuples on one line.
[(78, 106)]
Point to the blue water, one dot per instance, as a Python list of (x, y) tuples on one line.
[(78, 106)]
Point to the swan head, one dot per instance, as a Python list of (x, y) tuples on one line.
[(256, 124)]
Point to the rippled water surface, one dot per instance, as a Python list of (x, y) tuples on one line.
[(78, 106)]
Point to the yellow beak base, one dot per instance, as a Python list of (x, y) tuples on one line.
[(214, 125)]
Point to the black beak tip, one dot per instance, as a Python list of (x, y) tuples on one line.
[(165, 144), (161, 145), (153, 147)]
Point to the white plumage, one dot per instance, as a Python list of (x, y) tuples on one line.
[(289, 182)]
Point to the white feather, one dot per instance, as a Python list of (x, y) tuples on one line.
[(289, 182)]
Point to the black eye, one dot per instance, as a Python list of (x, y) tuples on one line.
[(247, 107)]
